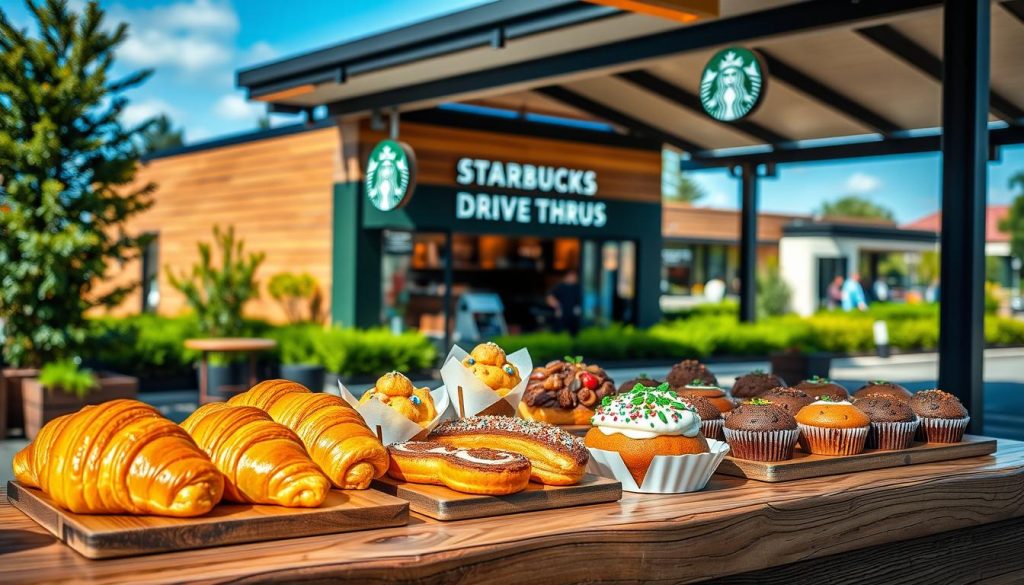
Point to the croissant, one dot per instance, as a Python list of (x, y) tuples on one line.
[(337, 438), (120, 457), (263, 462)]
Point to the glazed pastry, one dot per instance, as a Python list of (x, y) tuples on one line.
[(333, 432), (120, 457), (943, 418), (644, 423), (263, 462), (642, 379), (832, 428), (716, 395), (818, 387), (557, 457), (472, 471), (398, 392), (882, 387), (686, 371), (488, 363), (755, 383), (565, 392), (789, 399)]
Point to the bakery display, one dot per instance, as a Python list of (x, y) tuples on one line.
[(490, 365), (120, 457), (893, 422), (557, 457), (832, 428), (263, 462), (712, 392), (565, 392), (644, 423), (398, 392), (642, 379), (472, 471), (333, 432), (755, 383), (710, 417), (818, 387), (686, 371), (943, 418), (789, 399), (883, 387), (759, 430)]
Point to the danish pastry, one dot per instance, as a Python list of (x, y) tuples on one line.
[(472, 471), (565, 392)]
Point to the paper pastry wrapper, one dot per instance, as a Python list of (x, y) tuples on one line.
[(891, 436), (826, 441), (762, 445), (943, 430), (668, 474), (712, 429), (388, 424), (476, 398)]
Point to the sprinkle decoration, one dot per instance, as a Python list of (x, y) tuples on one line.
[(550, 435), (643, 404)]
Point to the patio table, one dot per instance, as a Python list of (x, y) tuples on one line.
[(249, 345), (948, 522)]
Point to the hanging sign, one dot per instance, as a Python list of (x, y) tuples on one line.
[(390, 175), (732, 84)]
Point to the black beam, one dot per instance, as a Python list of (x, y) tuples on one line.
[(812, 14), (681, 97), (635, 126), (826, 95), (908, 50), (1015, 7), (748, 243), (964, 192)]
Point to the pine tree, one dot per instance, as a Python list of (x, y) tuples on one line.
[(66, 171), (161, 135)]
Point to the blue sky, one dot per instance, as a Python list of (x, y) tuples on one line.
[(196, 46)]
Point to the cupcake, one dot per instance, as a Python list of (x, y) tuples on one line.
[(882, 387), (710, 417), (943, 418), (893, 422), (817, 387), (398, 392), (755, 383), (789, 399), (687, 371), (642, 379), (565, 392), (832, 428), (759, 430), (712, 392)]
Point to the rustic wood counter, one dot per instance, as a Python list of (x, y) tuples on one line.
[(957, 521)]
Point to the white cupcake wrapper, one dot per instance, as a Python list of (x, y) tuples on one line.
[(943, 430), (668, 474), (891, 436), (762, 445), (393, 427), (476, 396), (712, 429), (827, 441)]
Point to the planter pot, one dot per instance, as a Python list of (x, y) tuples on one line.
[(11, 383), (311, 377), (797, 367), (225, 380), (42, 405)]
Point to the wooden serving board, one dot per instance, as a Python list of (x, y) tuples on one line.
[(804, 465), (444, 504), (107, 536)]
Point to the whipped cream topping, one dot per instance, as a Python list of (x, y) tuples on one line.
[(701, 387), (459, 453), (645, 413), (831, 402)]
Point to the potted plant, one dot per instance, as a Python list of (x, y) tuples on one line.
[(300, 356), (63, 387), (67, 186), (299, 296)]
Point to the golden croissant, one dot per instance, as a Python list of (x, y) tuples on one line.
[(120, 457), (336, 436), (263, 462)]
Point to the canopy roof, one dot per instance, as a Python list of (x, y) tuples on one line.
[(844, 78)]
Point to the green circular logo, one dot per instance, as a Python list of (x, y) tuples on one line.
[(390, 175), (732, 84)]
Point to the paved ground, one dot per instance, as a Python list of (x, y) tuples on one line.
[(1004, 388)]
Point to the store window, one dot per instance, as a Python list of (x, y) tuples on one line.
[(151, 275)]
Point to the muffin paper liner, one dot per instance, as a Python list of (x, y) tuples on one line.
[(944, 430), (891, 436), (762, 445), (826, 441), (388, 424), (668, 474), (477, 398), (712, 429)]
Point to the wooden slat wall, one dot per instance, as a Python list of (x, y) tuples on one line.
[(686, 221), (276, 192)]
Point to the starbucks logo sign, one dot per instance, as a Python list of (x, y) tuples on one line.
[(732, 84), (390, 175)]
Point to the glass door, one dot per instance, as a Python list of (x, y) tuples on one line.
[(609, 281)]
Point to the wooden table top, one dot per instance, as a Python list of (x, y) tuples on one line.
[(733, 526), (231, 344)]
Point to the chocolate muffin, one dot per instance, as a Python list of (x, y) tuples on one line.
[(943, 418), (641, 379), (761, 431), (789, 399), (710, 416), (687, 371), (893, 422), (882, 387), (817, 387), (755, 383)]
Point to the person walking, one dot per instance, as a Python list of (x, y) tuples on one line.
[(565, 298), (835, 292), (853, 294)]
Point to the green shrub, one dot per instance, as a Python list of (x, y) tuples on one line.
[(1004, 331), (727, 307), (544, 346), (299, 296), (67, 376), (773, 293), (298, 344), (374, 351)]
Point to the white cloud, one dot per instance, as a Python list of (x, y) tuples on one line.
[(235, 107), (718, 199), (190, 53), (862, 183), (259, 52), (140, 111), (197, 134), (192, 36)]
